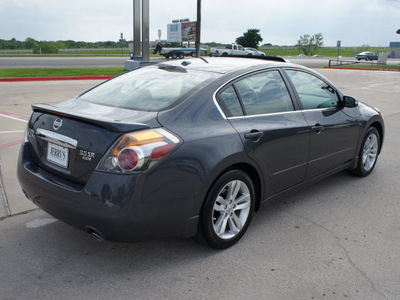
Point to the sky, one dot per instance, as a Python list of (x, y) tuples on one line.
[(281, 22)]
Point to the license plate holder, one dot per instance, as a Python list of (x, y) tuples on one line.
[(57, 155)]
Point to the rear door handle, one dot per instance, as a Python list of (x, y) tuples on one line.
[(318, 128), (254, 135)]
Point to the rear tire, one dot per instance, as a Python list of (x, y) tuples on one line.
[(228, 210), (181, 55), (174, 56), (368, 154)]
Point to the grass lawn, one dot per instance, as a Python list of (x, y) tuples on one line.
[(58, 72)]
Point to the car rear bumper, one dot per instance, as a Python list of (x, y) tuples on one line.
[(110, 205)]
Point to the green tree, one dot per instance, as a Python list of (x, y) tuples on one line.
[(251, 38), (61, 45), (46, 48), (310, 44), (30, 43)]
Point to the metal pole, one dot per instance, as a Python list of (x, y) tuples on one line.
[(145, 29), (136, 28), (198, 28)]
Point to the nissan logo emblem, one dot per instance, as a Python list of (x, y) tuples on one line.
[(57, 124)]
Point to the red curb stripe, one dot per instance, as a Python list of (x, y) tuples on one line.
[(14, 116), (10, 144), (361, 69), (55, 78)]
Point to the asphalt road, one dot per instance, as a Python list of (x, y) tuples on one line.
[(337, 239), (117, 62)]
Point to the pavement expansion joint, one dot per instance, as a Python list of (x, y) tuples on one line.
[(19, 214), (3, 195), (351, 262)]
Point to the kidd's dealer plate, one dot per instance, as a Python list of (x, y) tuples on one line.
[(57, 155)]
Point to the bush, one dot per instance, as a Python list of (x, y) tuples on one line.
[(46, 48)]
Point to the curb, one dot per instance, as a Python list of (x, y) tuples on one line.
[(361, 69), (55, 78)]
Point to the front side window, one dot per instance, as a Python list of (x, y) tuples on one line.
[(313, 92)]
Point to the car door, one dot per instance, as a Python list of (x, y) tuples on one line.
[(274, 134), (334, 133)]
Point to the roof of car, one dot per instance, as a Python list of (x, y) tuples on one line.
[(225, 64)]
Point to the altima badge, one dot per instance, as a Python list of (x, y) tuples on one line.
[(57, 124)]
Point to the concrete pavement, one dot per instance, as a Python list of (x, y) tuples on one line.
[(336, 239)]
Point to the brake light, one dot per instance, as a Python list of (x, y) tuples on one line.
[(138, 151), (160, 152), (128, 158)]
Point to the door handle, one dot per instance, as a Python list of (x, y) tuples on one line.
[(254, 135), (318, 128)]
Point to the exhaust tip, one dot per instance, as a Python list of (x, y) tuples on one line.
[(95, 233)]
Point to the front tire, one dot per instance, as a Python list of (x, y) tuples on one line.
[(368, 153), (228, 210)]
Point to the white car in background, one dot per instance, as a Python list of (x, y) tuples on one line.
[(255, 51)]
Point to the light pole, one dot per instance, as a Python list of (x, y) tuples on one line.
[(198, 28), (141, 29)]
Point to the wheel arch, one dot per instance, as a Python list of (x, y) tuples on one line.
[(251, 171), (378, 126), (381, 131)]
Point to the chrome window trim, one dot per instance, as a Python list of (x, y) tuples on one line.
[(262, 115), (233, 79), (283, 112), (56, 138)]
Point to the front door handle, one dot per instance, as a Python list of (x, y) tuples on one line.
[(254, 135), (318, 128)]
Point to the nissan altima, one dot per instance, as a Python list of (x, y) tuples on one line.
[(192, 148)]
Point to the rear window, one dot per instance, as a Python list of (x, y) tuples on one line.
[(154, 88)]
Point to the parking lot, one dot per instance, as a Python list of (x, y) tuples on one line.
[(337, 239)]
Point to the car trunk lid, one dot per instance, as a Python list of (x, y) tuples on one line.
[(69, 139)]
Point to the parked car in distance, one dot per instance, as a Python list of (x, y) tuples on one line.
[(255, 51), (367, 55), (192, 148), (229, 50)]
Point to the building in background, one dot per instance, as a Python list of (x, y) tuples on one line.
[(394, 50)]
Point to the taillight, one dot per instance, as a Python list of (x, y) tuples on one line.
[(138, 151), (129, 158)]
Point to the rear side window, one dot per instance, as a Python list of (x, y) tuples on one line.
[(313, 92), (262, 93), (149, 89), (230, 103)]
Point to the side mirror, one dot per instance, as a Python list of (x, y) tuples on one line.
[(349, 102)]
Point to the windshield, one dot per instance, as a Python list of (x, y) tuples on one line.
[(152, 88)]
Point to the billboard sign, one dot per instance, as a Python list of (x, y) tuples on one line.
[(174, 33), (189, 31), (178, 32)]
